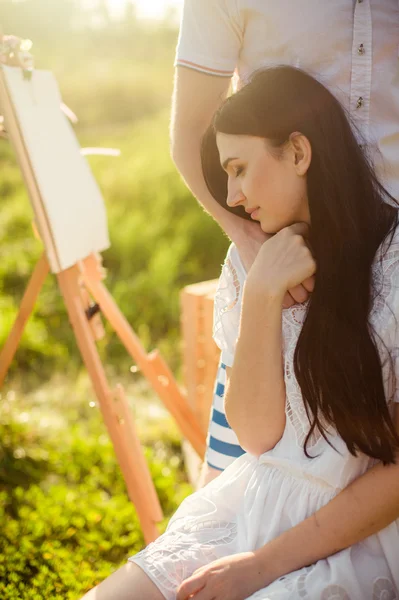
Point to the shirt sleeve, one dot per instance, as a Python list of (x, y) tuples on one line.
[(210, 37), (227, 306)]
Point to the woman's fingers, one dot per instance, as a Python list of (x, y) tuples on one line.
[(299, 293), (308, 283), (190, 586), (301, 228), (288, 300)]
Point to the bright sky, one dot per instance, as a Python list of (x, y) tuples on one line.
[(145, 8)]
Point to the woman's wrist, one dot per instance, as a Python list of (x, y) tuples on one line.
[(269, 292)]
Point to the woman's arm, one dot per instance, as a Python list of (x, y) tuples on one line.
[(255, 394), (366, 506), (255, 390)]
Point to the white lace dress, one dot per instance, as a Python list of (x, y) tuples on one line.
[(256, 499)]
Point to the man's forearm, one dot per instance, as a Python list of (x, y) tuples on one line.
[(187, 157), (366, 506)]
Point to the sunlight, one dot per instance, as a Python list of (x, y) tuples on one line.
[(153, 9)]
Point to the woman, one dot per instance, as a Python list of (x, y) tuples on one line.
[(311, 389)]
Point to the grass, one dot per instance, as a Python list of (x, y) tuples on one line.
[(67, 520)]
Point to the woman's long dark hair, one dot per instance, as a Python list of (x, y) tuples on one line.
[(337, 364)]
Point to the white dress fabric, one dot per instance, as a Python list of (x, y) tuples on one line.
[(257, 498)]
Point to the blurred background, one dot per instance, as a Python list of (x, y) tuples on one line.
[(66, 521), (113, 60)]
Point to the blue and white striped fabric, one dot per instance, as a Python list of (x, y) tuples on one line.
[(222, 443)]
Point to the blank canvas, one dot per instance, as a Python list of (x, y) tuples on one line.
[(69, 202)]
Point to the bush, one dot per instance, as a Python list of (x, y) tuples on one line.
[(67, 522)]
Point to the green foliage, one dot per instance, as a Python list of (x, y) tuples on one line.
[(161, 240), (66, 520)]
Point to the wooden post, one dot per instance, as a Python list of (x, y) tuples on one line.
[(151, 365), (27, 305), (200, 353), (117, 420)]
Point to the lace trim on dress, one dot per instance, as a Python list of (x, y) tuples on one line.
[(383, 589), (237, 286), (383, 315), (191, 542), (227, 308), (384, 318), (293, 319)]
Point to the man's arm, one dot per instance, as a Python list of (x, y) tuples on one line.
[(196, 97), (366, 506)]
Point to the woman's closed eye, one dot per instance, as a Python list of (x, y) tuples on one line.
[(238, 171)]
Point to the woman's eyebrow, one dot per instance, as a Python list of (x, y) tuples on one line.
[(227, 161)]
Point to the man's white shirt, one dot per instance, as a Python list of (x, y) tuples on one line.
[(352, 47)]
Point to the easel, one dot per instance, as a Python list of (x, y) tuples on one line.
[(79, 285)]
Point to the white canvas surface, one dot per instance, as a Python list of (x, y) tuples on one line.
[(69, 195)]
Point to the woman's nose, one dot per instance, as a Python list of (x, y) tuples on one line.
[(234, 194)]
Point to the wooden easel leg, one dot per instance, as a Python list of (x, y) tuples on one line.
[(27, 305), (115, 412), (152, 365)]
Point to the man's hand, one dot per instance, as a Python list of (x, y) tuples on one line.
[(233, 577), (249, 241)]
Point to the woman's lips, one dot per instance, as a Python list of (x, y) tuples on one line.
[(254, 213)]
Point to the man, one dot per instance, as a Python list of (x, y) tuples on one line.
[(349, 45)]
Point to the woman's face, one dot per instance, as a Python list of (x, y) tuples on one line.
[(274, 186)]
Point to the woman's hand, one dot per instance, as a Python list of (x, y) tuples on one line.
[(284, 262), (251, 240), (234, 577)]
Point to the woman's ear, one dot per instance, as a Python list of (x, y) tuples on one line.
[(302, 152)]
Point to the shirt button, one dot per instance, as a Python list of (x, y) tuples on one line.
[(359, 102), (361, 49)]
